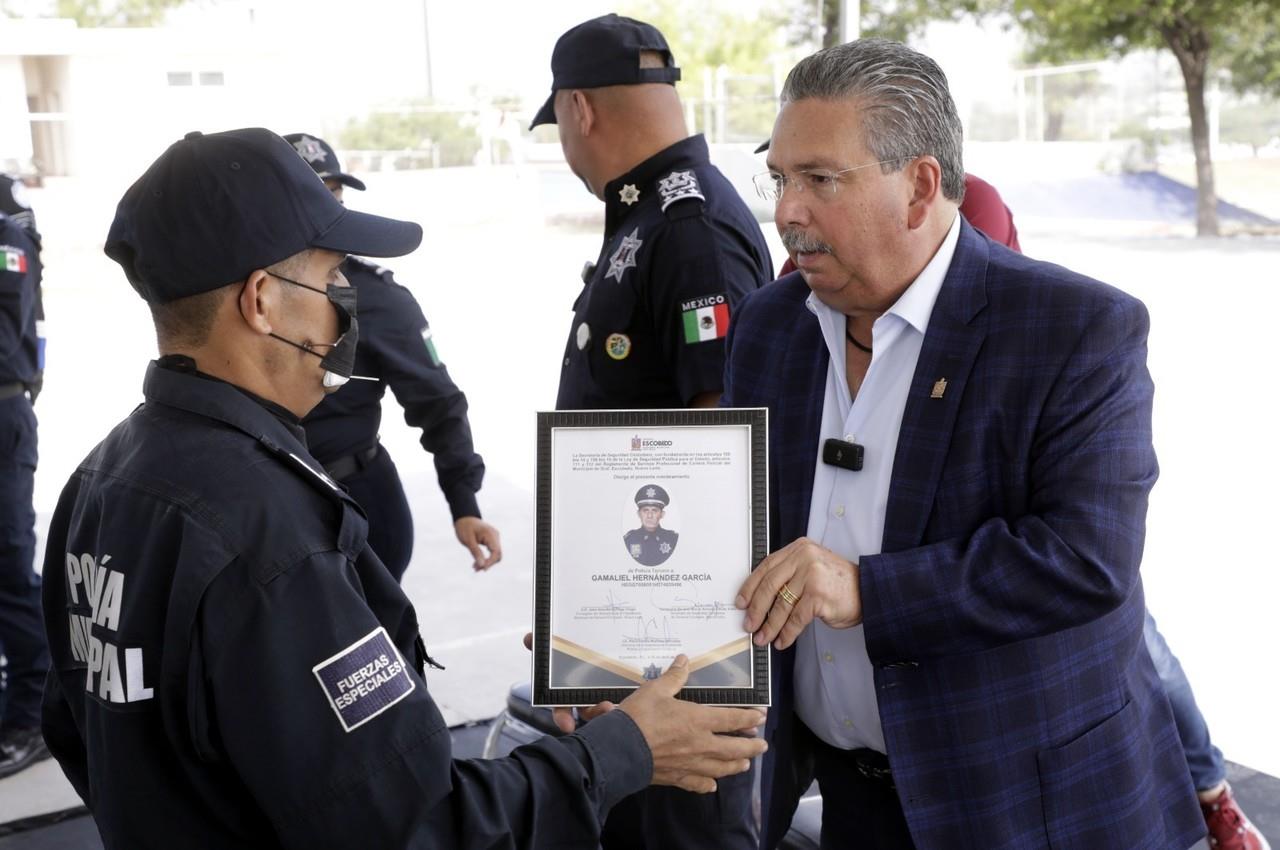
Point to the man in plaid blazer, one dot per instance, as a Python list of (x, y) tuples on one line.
[(960, 459)]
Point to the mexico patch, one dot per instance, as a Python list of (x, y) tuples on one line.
[(365, 679), (13, 259), (705, 318)]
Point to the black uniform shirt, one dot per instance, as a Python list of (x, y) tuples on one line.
[(19, 305), (396, 348), (233, 666), (680, 249), (650, 548)]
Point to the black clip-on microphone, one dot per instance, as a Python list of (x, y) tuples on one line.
[(842, 453)]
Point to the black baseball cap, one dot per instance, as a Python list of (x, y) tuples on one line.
[(215, 207), (605, 51), (14, 203), (323, 161)]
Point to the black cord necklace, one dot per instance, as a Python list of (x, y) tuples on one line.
[(849, 334)]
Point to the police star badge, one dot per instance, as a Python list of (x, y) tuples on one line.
[(664, 548), (625, 257), (309, 149), (629, 194)]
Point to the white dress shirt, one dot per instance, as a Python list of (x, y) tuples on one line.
[(834, 692)]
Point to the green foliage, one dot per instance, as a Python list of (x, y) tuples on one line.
[(116, 13), (418, 128), (705, 36), (1250, 48), (900, 20)]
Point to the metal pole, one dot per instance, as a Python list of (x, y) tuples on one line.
[(426, 50), (850, 20), (1022, 107)]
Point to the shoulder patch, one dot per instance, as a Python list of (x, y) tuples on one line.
[(13, 259), (705, 318), (365, 679), (679, 186), (428, 340)]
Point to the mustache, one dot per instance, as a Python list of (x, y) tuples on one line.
[(797, 241)]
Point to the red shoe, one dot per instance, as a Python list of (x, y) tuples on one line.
[(1229, 829)]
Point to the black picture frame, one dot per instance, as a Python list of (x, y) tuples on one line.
[(625, 422)]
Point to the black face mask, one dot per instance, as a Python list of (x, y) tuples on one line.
[(341, 359)]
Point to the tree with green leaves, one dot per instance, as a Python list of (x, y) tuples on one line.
[(711, 35), (1239, 38), (1234, 36)]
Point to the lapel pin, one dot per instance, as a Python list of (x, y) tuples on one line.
[(939, 387)]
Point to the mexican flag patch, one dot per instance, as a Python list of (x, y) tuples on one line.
[(15, 259), (705, 318), (431, 346)]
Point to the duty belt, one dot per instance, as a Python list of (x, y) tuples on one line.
[(349, 465), (11, 390)]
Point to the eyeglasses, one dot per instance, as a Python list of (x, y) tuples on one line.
[(822, 182)]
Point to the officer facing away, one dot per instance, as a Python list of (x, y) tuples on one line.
[(397, 350), (680, 250), (21, 369), (232, 664), (651, 544)]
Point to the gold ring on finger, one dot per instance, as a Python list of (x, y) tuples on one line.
[(788, 596)]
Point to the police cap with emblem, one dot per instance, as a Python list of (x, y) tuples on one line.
[(652, 494), (323, 161), (605, 51), (215, 207), (14, 204)]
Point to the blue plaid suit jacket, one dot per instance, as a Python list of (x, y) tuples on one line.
[(1003, 617)]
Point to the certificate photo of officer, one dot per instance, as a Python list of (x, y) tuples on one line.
[(651, 544)]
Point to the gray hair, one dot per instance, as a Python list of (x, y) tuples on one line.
[(907, 110)]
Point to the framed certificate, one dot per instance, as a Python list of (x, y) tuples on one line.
[(648, 523)]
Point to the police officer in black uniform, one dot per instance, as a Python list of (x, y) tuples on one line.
[(21, 369), (232, 664), (651, 544), (396, 349), (680, 249)]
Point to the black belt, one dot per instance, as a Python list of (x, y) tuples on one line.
[(11, 390), (871, 764), (349, 465)]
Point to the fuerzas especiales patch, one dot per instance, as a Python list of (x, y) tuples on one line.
[(365, 679)]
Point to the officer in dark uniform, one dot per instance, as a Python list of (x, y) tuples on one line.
[(397, 350), (680, 246), (21, 368), (232, 664), (651, 544), (680, 249)]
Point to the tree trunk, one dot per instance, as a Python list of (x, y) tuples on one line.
[(1190, 44), (831, 23)]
